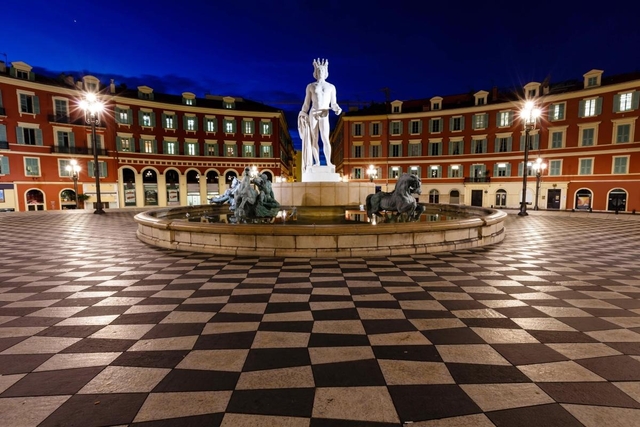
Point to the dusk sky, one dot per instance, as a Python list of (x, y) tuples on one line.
[(263, 50)]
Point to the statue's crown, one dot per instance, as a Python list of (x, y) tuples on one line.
[(320, 63)]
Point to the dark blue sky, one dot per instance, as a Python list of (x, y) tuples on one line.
[(262, 50)]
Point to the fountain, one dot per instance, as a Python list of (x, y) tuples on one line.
[(320, 216)]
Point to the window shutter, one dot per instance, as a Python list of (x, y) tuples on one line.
[(197, 147), (581, 108), (508, 169), (616, 103), (103, 169), (140, 118), (164, 147), (522, 142), (90, 169), (72, 139), (119, 143), (0, 99), (509, 139), (153, 119), (634, 100), (36, 105), (520, 168), (536, 141), (140, 146), (484, 145), (598, 106), (4, 167), (496, 146), (451, 120), (130, 116), (498, 119), (154, 146), (164, 120), (462, 123), (38, 136), (20, 135), (3, 133)]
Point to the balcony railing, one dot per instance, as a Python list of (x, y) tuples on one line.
[(477, 179), (4, 145), (58, 118), (77, 150)]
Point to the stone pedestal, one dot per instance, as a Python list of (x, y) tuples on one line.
[(321, 174), (322, 193)]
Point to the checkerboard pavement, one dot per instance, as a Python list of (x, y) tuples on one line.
[(99, 329)]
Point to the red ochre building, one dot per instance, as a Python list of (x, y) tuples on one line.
[(469, 148), (154, 149)]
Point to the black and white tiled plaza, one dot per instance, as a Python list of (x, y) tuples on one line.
[(99, 329)]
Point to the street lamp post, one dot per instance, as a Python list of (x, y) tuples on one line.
[(92, 106), (74, 169), (529, 115), (539, 166), (372, 172)]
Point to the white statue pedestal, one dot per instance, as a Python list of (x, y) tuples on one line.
[(321, 174)]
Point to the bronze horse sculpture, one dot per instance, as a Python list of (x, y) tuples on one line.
[(399, 202)]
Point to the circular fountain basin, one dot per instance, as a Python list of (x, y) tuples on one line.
[(320, 231)]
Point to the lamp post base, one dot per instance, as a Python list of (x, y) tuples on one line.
[(99, 212), (523, 213)]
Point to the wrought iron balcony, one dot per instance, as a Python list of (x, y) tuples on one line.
[(4, 145), (59, 118), (77, 150), (477, 179)]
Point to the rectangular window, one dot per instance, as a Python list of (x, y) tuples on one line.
[(247, 126), (396, 150), (592, 81), (375, 151), (32, 166), (229, 126), (556, 112), (435, 148), (248, 150), (457, 124), (623, 133), (148, 146), (170, 148), (146, 119), (29, 136), (29, 104), (212, 149), (357, 129), (435, 125), (456, 148), (556, 139), (169, 121), (479, 146), (64, 139), (191, 148), (480, 121), (125, 144), (415, 150), (266, 128), (416, 126), (586, 167), (590, 107), (504, 118), (587, 137), (210, 124), (123, 116), (229, 150), (620, 165), (435, 171), (357, 151), (625, 101), (191, 123), (375, 129), (501, 169), (266, 151), (61, 108), (454, 171), (555, 167), (503, 145), (102, 167), (357, 173), (395, 128), (395, 172)]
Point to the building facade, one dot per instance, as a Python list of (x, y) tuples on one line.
[(469, 148), (153, 149)]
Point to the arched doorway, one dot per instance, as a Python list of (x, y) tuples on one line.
[(150, 182), (434, 196), (129, 184), (35, 200), (501, 199), (269, 175), (172, 179), (454, 197), (67, 199), (617, 200), (583, 199), (193, 187)]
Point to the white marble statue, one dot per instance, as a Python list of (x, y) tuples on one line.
[(314, 124)]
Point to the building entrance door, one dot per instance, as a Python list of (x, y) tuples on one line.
[(476, 197), (617, 200), (553, 199)]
